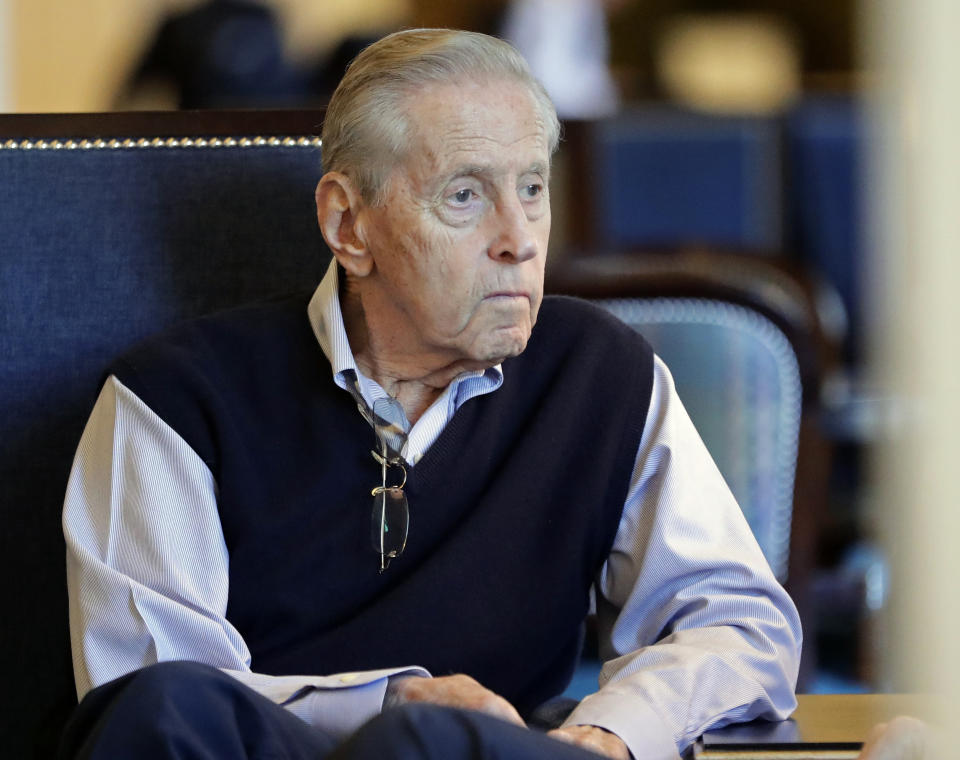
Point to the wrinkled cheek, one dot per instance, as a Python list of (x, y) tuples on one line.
[(429, 256)]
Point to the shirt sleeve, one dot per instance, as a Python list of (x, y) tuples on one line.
[(147, 568), (695, 631)]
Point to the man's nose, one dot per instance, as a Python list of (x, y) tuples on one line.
[(513, 239)]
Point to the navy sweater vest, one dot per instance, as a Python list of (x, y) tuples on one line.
[(513, 509)]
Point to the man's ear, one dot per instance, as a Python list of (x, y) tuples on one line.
[(338, 208)]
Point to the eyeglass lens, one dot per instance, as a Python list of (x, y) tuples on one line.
[(391, 518)]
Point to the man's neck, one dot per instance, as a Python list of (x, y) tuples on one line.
[(413, 376)]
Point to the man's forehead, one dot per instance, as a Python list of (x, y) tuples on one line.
[(475, 127)]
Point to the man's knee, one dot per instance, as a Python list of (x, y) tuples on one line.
[(186, 709), (421, 716), (416, 730), (431, 732), (176, 677)]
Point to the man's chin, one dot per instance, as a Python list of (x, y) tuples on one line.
[(503, 345)]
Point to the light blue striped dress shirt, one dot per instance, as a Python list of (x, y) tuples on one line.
[(694, 629)]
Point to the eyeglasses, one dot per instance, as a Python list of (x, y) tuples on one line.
[(391, 513)]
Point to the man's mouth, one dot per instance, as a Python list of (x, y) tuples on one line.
[(506, 294)]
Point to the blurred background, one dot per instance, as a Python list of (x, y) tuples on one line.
[(814, 135)]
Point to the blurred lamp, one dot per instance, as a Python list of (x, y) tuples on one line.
[(728, 63)]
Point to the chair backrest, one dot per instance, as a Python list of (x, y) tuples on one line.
[(739, 379), (658, 175), (113, 227), (742, 341)]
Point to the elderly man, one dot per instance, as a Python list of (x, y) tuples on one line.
[(224, 507)]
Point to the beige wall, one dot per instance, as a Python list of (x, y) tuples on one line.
[(73, 55), (70, 55), (313, 25), (6, 97), (916, 173)]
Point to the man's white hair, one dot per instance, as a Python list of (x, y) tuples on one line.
[(366, 130)]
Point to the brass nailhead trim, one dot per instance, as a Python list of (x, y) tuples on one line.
[(160, 142)]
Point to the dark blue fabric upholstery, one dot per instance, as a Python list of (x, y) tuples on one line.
[(98, 248), (666, 177)]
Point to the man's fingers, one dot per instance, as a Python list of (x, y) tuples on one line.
[(903, 738), (593, 738), (501, 708), (452, 691)]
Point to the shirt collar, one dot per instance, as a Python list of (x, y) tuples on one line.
[(326, 319)]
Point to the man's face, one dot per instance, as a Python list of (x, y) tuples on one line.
[(460, 241)]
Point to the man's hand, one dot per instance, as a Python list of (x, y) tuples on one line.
[(593, 738), (902, 738), (451, 691)]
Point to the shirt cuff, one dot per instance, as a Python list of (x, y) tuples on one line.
[(338, 704), (635, 722)]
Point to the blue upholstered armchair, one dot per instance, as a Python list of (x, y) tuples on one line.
[(112, 227)]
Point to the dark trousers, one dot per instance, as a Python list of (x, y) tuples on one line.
[(188, 711)]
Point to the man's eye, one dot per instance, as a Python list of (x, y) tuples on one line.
[(532, 191), (463, 196)]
